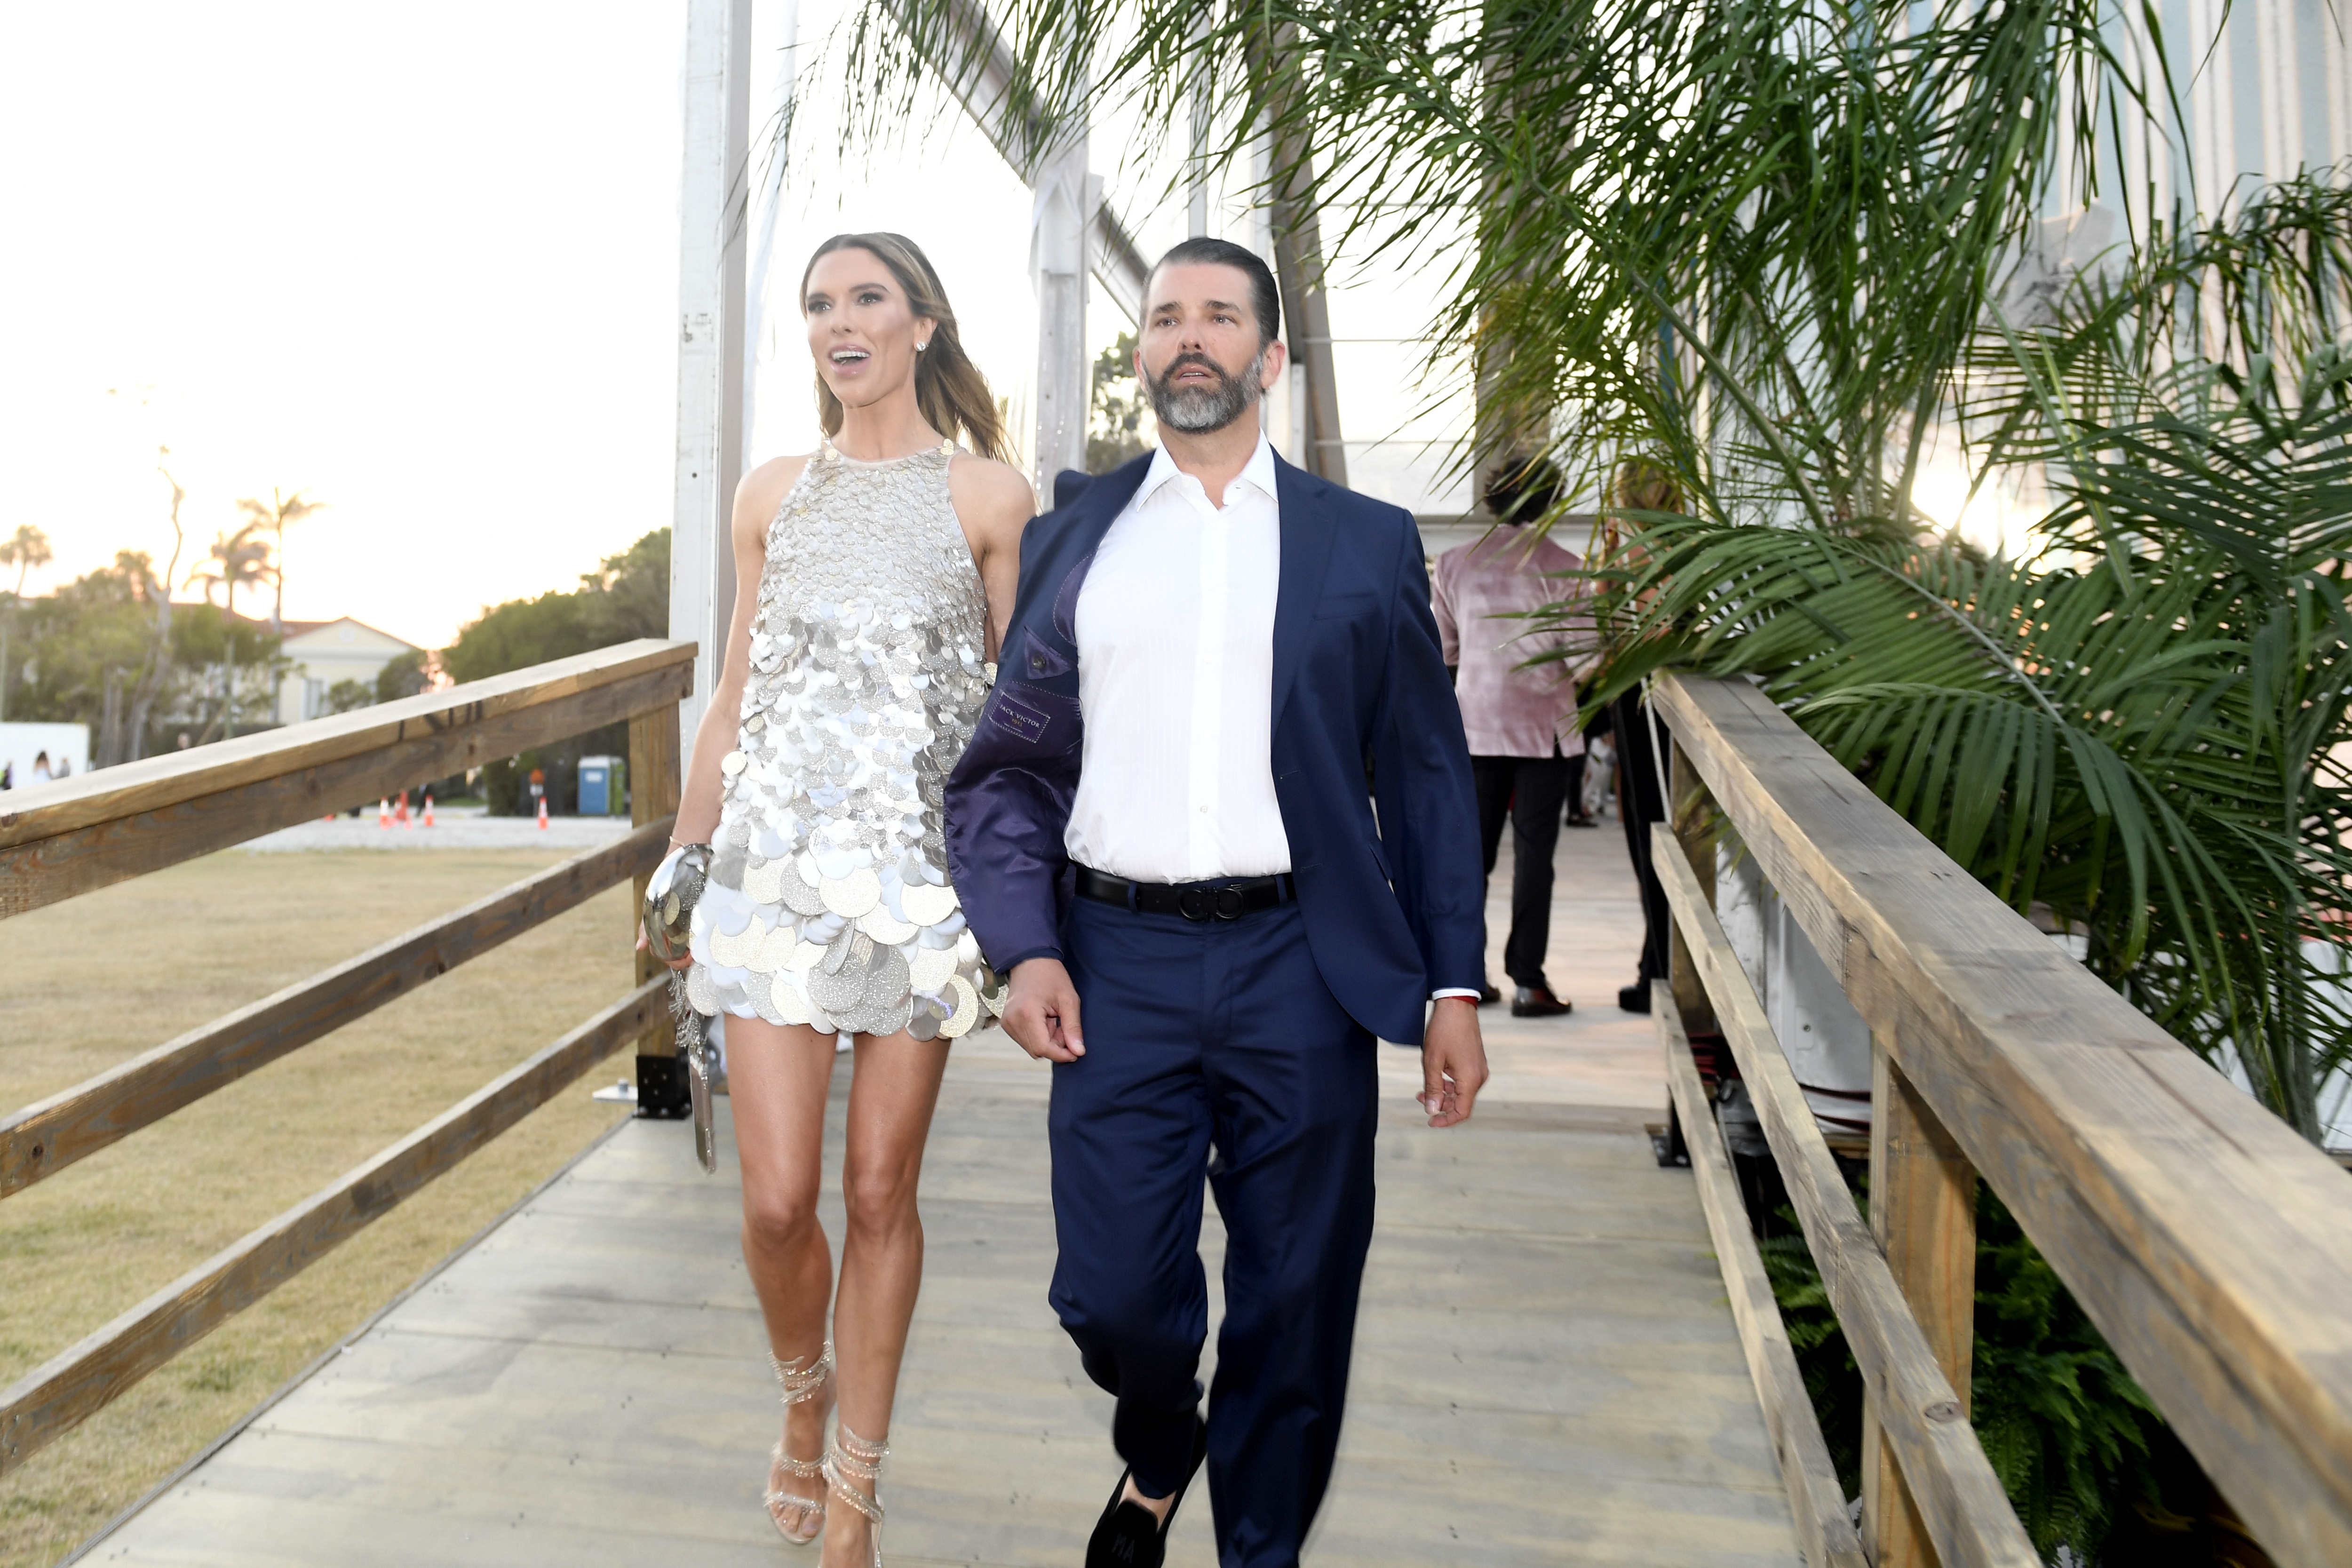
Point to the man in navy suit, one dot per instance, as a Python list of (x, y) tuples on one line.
[(1221, 798)]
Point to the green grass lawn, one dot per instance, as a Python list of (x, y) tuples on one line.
[(86, 984)]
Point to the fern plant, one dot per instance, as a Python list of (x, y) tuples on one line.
[(2137, 724), (2068, 1432)]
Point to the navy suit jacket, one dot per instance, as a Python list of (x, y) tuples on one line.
[(1394, 903)]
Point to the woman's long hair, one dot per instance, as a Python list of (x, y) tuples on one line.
[(949, 388)]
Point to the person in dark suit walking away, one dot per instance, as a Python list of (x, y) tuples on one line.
[(1165, 818)]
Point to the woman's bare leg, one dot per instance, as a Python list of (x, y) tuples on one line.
[(891, 1097), (777, 1079)]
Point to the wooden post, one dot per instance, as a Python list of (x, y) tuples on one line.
[(652, 794), (1691, 817), (1923, 1211)]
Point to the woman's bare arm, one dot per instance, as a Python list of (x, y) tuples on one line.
[(757, 498), (994, 503)]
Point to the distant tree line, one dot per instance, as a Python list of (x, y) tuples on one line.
[(627, 596), (110, 650)]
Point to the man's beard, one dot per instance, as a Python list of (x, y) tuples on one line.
[(1196, 410)]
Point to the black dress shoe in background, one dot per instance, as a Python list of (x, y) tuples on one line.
[(1489, 994), (1127, 1536), (1634, 998), (1537, 1001)]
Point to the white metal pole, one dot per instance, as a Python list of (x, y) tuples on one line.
[(1060, 216), (758, 283), (711, 232)]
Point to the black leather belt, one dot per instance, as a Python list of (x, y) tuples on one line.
[(1221, 900)]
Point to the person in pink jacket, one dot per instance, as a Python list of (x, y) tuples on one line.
[(1527, 753)]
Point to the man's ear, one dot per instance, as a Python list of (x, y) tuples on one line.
[(1277, 356)]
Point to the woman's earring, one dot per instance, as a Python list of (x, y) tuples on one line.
[(922, 346)]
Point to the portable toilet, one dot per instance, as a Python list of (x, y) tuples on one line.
[(597, 786)]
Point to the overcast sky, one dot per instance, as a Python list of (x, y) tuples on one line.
[(421, 263)]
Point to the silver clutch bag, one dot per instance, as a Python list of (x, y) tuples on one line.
[(671, 894)]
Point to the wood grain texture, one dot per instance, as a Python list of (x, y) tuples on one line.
[(1816, 1500), (46, 1137), (1693, 818), (111, 795), (1553, 1381), (654, 795), (54, 1397), (102, 827), (1961, 1504), (1923, 1210), (2211, 1246)]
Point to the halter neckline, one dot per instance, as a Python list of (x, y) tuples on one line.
[(946, 448)]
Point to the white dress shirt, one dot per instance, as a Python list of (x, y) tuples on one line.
[(1175, 633)]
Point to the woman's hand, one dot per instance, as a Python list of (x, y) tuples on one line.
[(683, 961)]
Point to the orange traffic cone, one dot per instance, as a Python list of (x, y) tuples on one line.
[(382, 812), (400, 812), (428, 808), (543, 814)]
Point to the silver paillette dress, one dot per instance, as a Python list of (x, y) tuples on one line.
[(829, 902)]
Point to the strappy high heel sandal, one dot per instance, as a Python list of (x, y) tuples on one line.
[(852, 1457), (800, 1382)]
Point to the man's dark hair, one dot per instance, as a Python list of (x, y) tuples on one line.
[(1265, 300), (1522, 487)]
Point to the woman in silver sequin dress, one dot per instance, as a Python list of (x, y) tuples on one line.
[(876, 576)]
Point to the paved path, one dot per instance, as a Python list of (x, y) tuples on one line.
[(1546, 1370), (456, 827)]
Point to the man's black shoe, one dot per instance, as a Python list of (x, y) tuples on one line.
[(1634, 998), (1127, 1536), (1537, 1001), (1489, 994)]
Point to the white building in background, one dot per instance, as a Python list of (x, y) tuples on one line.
[(326, 652)]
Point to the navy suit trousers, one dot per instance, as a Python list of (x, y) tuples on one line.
[(1214, 1048)]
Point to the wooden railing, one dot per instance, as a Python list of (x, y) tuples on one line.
[(2210, 1245), (103, 827)]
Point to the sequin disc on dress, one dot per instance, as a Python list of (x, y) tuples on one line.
[(829, 902)]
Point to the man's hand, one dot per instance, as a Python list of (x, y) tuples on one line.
[(1452, 1060), (1042, 1015)]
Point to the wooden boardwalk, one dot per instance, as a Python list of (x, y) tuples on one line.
[(1545, 1368)]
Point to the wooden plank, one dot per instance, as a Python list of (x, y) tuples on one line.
[(1923, 1210), (46, 1137), (1586, 1404), (2211, 1246), (1966, 1513), (57, 1396), (110, 795), (37, 867), (653, 793), (1693, 819), (1824, 1532)]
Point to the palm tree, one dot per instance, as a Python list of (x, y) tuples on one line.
[(156, 669), (24, 549), (273, 514), (235, 559), (1765, 243)]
